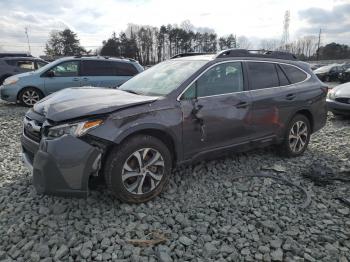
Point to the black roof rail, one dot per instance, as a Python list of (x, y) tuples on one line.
[(80, 56), (106, 57), (189, 54), (256, 53), (14, 54)]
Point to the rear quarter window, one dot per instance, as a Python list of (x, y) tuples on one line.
[(294, 74)]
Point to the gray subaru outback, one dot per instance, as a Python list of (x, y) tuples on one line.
[(182, 110)]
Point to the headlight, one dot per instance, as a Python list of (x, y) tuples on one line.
[(10, 81), (76, 129), (331, 94)]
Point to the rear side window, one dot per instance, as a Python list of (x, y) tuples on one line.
[(107, 68), (262, 75), (97, 68), (125, 69), (282, 76), (294, 74), (26, 64)]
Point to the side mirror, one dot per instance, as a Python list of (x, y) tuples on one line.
[(50, 73)]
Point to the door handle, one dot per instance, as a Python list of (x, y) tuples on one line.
[(85, 78), (242, 104), (75, 79), (290, 96)]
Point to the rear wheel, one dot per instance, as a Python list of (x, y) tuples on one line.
[(29, 96), (297, 136), (138, 169)]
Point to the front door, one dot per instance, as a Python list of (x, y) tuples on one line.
[(215, 110), (65, 74)]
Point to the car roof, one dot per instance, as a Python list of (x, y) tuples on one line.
[(21, 57), (104, 58), (212, 57)]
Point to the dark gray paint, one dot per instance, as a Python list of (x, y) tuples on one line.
[(197, 128)]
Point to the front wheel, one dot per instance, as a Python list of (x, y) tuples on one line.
[(138, 169), (297, 136), (29, 96)]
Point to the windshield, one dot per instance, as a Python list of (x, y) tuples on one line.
[(163, 78), (49, 65)]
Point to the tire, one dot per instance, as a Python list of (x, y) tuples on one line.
[(296, 146), (29, 96), (123, 174)]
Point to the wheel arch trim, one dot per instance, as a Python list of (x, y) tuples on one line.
[(157, 130)]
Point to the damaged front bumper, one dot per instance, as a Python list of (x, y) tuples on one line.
[(61, 166)]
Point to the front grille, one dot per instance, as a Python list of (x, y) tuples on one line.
[(32, 129), (345, 100)]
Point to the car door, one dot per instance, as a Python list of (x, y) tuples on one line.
[(101, 74), (63, 75), (266, 97), (215, 109)]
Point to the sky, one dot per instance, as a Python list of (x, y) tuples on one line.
[(95, 21)]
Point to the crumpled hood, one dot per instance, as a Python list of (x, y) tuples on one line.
[(78, 102)]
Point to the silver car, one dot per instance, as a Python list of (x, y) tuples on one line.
[(338, 100)]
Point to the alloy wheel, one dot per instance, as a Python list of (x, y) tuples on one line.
[(142, 171), (298, 136), (30, 97)]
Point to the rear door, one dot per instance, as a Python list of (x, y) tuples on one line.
[(217, 118), (65, 74), (267, 97), (104, 73)]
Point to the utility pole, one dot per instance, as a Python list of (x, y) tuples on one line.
[(318, 44), (285, 35), (26, 32)]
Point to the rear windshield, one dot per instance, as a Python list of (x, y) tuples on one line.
[(163, 78)]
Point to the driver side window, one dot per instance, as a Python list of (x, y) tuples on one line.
[(66, 69), (221, 79)]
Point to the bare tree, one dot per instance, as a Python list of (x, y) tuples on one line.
[(187, 26), (243, 42), (269, 44)]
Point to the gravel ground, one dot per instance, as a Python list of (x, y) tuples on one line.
[(204, 214)]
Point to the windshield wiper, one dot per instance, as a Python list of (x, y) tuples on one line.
[(130, 91)]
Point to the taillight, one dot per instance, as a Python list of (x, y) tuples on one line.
[(325, 89)]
